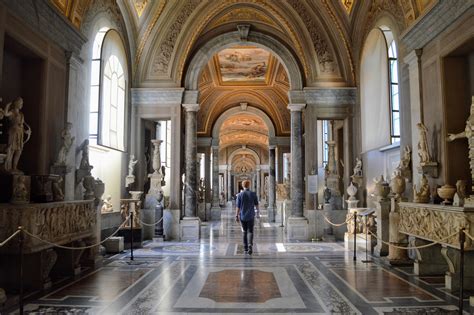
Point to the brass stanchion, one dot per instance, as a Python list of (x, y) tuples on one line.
[(462, 239), (21, 241), (131, 235), (355, 235)]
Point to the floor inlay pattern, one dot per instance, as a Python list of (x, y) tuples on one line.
[(215, 276)]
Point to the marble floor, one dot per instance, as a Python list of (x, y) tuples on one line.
[(215, 276)]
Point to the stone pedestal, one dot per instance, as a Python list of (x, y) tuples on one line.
[(297, 229), (428, 261), (215, 213), (114, 245), (396, 256), (21, 189), (452, 257), (189, 229), (382, 212), (147, 215), (361, 242), (171, 226)]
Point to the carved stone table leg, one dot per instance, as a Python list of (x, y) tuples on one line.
[(429, 261), (451, 278)]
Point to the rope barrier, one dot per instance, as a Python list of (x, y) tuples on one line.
[(9, 238), (414, 247), (338, 224), (77, 248), (153, 224)]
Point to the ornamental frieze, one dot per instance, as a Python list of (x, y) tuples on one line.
[(435, 222)]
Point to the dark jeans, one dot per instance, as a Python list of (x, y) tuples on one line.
[(247, 226)]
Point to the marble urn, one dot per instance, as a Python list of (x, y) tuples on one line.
[(447, 193), (398, 185)]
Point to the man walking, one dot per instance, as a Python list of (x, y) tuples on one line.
[(246, 204)]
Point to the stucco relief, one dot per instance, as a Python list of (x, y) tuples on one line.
[(243, 14), (434, 223), (165, 50), (327, 63), (389, 6)]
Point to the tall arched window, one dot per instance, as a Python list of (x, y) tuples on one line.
[(380, 106), (113, 93), (394, 93), (95, 84)]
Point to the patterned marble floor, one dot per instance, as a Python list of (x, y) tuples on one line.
[(214, 276)]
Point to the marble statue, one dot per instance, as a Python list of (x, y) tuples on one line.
[(406, 159), (58, 194), (84, 165), (423, 195), (131, 164), (18, 128), (107, 204), (201, 190), (358, 167), (423, 148), (327, 194), (163, 174), (68, 140), (461, 188)]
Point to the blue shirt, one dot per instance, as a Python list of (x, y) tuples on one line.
[(246, 202)]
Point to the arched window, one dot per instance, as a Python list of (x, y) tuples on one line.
[(380, 106), (95, 84), (394, 93), (113, 105)]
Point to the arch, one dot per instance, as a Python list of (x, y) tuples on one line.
[(237, 110), (226, 40), (243, 151)]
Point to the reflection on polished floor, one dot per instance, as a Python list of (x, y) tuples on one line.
[(214, 276)]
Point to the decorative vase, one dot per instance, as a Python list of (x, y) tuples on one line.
[(352, 191), (398, 185), (446, 192)]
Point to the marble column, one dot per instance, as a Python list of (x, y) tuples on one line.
[(215, 210), (207, 175), (297, 174), (271, 185), (257, 190), (189, 226), (297, 223), (229, 183)]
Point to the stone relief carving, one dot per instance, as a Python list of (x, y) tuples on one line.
[(433, 224), (326, 59), (165, 50)]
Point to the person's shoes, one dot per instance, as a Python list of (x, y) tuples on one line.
[(250, 251)]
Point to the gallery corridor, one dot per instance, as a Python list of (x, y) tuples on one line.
[(215, 276)]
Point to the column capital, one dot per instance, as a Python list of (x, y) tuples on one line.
[(296, 107), (258, 168), (272, 147), (191, 107), (413, 56)]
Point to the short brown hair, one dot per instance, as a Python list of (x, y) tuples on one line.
[(246, 184)]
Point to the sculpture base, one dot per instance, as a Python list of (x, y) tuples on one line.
[(429, 168), (297, 228), (215, 213), (189, 229), (130, 179)]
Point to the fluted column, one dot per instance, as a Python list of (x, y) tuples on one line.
[(271, 184), (190, 208), (215, 176), (297, 174)]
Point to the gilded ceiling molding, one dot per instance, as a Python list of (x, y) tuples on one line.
[(385, 7), (162, 57), (347, 4), (344, 38), (326, 59), (73, 10), (240, 15), (222, 5), (147, 32), (140, 6)]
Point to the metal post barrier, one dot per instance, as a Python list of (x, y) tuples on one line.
[(367, 260), (21, 241), (355, 235), (462, 239), (131, 235)]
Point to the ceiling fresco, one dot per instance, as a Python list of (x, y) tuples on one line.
[(243, 65)]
